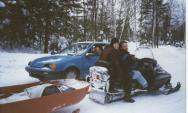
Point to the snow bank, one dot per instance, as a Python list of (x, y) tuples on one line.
[(14, 98), (12, 68)]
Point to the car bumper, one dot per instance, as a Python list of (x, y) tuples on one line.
[(44, 73)]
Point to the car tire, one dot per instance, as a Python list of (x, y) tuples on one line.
[(72, 73)]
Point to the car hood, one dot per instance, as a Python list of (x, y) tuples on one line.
[(40, 62)]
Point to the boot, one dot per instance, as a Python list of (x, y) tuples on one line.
[(128, 98), (112, 89)]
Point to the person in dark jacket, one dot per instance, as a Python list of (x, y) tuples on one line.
[(127, 79), (111, 55), (131, 65)]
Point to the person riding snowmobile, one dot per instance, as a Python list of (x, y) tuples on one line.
[(130, 68), (110, 59), (127, 79), (100, 77)]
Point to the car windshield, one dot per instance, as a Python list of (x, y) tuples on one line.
[(76, 49), (144, 52)]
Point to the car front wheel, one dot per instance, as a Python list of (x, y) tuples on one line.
[(72, 74)]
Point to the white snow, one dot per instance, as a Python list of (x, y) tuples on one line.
[(74, 83), (12, 71), (14, 98), (2, 4), (12, 68)]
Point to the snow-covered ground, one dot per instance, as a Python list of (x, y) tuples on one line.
[(12, 71)]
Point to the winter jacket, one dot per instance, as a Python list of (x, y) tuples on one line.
[(111, 55), (125, 64), (128, 61)]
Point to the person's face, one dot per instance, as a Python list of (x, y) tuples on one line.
[(125, 46), (116, 46), (98, 50)]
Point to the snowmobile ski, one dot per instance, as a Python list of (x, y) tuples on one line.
[(173, 89)]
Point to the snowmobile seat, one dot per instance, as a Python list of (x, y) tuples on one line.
[(103, 63)]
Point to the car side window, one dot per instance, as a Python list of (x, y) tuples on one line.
[(96, 49)]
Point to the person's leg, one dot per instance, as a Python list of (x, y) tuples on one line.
[(112, 81), (136, 75), (127, 80), (112, 84)]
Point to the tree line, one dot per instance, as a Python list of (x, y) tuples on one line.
[(34, 23)]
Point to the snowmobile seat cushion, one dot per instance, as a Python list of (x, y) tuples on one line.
[(103, 63), (148, 60)]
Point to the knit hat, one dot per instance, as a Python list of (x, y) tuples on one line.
[(114, 40)]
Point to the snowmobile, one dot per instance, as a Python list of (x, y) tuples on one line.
[(158, 79), (42, 97)]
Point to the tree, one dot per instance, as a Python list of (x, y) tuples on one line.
[(13, 23), (51, 17), (153, 13)]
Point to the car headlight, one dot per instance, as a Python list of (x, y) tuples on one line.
[(51, 66)]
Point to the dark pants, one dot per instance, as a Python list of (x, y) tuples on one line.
[(127, 80), (113, 78)]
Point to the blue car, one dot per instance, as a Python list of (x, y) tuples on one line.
[(72, 62)]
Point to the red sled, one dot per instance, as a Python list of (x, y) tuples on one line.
[(42, 97)]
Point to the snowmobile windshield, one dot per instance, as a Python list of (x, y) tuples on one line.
[(76, 49), (144, 52)]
